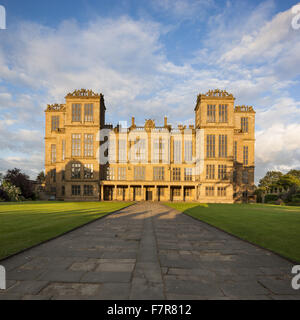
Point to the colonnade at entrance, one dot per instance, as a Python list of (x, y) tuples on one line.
[(149, 192)]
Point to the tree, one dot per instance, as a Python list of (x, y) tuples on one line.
[(20, 180), (294, 173), (289, 181), (1, 178), (270, 179), (41, 177)]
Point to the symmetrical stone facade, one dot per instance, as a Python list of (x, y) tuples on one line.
[(211, 161)]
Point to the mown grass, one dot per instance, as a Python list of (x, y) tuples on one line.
[(276, 228), (23, 225)]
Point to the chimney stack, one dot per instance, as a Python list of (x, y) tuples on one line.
[(133, 122), (166, 122)]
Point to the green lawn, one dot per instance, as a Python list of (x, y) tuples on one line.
[(23, 225), (273, 227)]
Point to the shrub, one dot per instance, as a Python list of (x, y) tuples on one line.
[(12, 191), (280, 202), (271, 198), (296, 198), (3, 195)]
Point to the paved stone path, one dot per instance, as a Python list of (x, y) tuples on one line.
[(148, 251)]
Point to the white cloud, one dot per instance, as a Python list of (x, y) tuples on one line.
[(184, 9), (31, 165), (278, 148)]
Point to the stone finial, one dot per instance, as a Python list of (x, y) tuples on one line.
[(218, 93), (55, 107), (244, 108), (149, 124), (165, 122), (133, 122), (84, 94)]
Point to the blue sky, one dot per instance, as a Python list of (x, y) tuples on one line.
[(150, 59)]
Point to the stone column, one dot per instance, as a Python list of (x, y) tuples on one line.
[(196, 193), (102, 192), (182, 193), (143, 193), (115, 193), (128, 194), (155, 198), (131, 190)]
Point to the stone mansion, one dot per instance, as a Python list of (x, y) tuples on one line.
[(210, 161)]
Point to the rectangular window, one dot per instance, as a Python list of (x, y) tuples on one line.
[(245, 155), (140, 150), (88, 171), (139, 173), (161, 191), (122, 173), (158, 150), (177, 152), (234, 176), (222, 172), (88, 190), (235, 151), (110, 174), (188, 151), (76, 168), (209, 191), (76, 190), (63, 175), (223, 146), (63, 190), (176, 174), (244, 124), (223, 113), (176, 192), (54, 123), (88, 145), (210, 171), (245, 176), (188, 192), (63, 151), (158, 173), (76, 112), (111, 150), (53, 153), (138, 191), (210, 146), (76, 145), (88, 112), (120, 191), (221, 191), (156, 153), (188, 174), (53, 175), (122, 151), (211, 113)]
